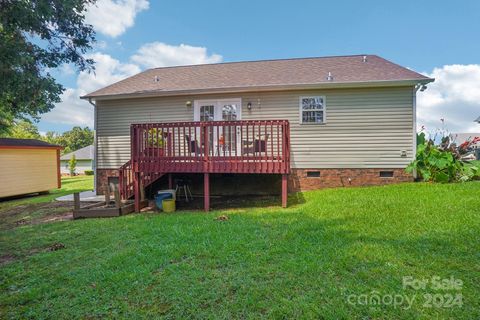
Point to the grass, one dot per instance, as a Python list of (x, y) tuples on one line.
[(28, 209), (69, 185), (475, 163), (301, 262)]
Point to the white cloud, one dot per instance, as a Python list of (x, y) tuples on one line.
[(71, 110), (114, 17), (454, 96), (74, 111), (159, 54), (107, 71)]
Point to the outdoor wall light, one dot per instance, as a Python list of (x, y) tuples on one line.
[(249, 106), (188, 104)]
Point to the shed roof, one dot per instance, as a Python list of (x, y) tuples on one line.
[(267, 74), (85, 153), (7, 143)]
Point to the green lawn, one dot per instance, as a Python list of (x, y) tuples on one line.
[(28, 209), (69, 185), (307, 261), (475, 163)]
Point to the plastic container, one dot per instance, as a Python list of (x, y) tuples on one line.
[(160, 197), (168, 205), (172, 191)]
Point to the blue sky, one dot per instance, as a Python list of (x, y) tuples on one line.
[(439, 38)]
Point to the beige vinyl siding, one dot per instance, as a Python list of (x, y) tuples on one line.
[(365, 128), (27, 170)]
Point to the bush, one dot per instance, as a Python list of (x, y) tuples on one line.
[(72, 165), (440, 163), (89, 172)]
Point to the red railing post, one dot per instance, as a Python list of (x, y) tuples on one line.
[(206, 191), (206, 147), (284, 190)]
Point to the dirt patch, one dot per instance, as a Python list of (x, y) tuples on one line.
[(36, 213), (222, 218), (6, 258), (56, 246)]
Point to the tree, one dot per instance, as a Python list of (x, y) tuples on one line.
[(72, 165), (71, 140), (75, 139), (35, 37), (23, 130), (51, 137)]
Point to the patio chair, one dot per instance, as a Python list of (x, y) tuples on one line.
[(193, 146), (258, 145)]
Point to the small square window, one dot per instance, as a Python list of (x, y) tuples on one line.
[(312, 109), (386, 174), (313, 174)]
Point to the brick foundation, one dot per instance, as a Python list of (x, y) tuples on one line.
[(330, 178), (298, 180), (101, 177)]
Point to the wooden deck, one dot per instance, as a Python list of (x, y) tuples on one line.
[(252, 146)]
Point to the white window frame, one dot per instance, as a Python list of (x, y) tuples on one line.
[(324, 110), (216, 104)]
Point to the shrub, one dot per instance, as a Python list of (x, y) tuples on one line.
[(89, 172), (440, 163), (72, 165)]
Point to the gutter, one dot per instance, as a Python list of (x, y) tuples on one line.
[(323, 85), (94, 162)]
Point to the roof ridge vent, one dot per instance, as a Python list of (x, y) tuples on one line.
[(329, 77), (364, 58)]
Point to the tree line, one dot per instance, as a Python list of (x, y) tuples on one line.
[(71, 140)]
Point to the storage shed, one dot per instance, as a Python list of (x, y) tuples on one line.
[(28, 166)]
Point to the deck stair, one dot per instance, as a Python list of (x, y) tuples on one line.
[(126, 181)]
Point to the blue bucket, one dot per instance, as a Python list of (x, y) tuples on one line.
[(160, 197)]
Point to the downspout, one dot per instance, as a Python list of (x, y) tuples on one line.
[(414, 103), (94, 164)]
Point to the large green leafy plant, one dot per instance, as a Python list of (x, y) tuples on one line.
[(440, 163)]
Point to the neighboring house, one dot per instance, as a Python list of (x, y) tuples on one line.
[(84, 158), (28, 166), (317, 122)]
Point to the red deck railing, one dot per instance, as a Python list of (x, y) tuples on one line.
[(252, 146)]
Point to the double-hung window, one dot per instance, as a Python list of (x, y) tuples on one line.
[(312, 110)]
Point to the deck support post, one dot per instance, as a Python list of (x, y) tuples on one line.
[(284, 190), (206, 191), (136, 189), (170, 181), (76, 201)]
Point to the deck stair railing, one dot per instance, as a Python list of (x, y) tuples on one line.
[(126, 183)]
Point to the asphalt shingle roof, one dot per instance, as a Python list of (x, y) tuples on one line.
[(14, 142), (85, 153), (255, 74)]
